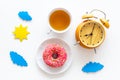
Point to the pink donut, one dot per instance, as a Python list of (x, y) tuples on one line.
[(54, 55)]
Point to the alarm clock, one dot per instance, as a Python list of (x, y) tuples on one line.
[(90, 33)]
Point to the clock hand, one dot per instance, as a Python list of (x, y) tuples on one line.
[(93, 29), (92, 33), (87, 35)]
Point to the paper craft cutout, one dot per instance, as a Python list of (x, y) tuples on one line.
[(21, 33), (18, 59), (92, 67), (24, 15)]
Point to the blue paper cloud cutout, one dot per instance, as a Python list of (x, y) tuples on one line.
[(18, 59), (92, 67), (24, 15)]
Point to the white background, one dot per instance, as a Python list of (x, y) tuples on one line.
[(108, 53)]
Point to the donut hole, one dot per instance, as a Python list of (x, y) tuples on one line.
[(55, 55)]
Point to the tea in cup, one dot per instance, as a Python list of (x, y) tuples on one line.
[(59, 20)]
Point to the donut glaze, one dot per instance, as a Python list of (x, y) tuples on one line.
[(54, 55)]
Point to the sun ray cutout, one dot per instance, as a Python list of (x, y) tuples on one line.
[(21, 32)]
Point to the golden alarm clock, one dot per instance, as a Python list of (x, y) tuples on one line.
[(91, 32)]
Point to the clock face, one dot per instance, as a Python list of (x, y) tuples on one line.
[(92, 34)]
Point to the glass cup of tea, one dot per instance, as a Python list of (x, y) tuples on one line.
[(59, 20)]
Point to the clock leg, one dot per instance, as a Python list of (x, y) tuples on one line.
[(95, 50)]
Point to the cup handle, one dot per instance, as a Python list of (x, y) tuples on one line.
[(49, 32)]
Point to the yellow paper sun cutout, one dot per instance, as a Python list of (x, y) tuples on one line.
[(21, 33)]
